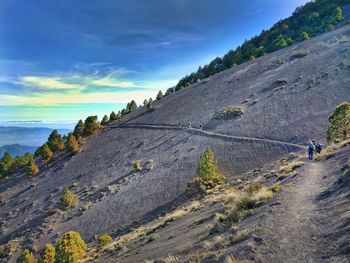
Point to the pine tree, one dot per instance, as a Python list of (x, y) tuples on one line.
[(113, 116), (7, 164), (131, 106), (44, 152), (160, 95), (48, 254), (145, 102), (70, 248), (91, 125), (32, 168), (55, 141), (68, 199), (27, 257), (339, 123), (72, 144), (208, 175), (104, 120), (79, 130)]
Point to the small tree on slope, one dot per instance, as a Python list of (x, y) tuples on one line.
[(339, 123), (208, 175), (70, 248)]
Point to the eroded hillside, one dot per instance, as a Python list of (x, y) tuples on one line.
[(285, 97)]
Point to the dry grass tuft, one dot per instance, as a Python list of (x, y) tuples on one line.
[(231, 259), (149, 229), (290, 167)]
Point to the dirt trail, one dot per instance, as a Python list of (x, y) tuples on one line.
[(293, 229), (208, 133)]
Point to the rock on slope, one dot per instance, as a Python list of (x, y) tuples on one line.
[(286, 96)]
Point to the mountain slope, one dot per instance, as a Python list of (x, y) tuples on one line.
[(285, 96), (306, 222)]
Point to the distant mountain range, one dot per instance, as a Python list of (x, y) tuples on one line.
[(16, 149), (26, 136)]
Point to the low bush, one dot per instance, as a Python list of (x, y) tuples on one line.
[(137, 165), (290, 167), (27, 257), (152, 237), (208, 175), (48, 254), (70, 248), (68, 199), (230, 112), (300, 54), (104, 240)]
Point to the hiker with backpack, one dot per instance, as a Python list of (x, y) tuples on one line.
[(318, 147), (310, 150)]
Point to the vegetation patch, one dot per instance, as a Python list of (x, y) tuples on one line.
[(254, 196), (290, 167), (68, 199), (230, 112), (104, 240), (208, 175), (300, 54), (70, 248), (339, 123), (243, 234)]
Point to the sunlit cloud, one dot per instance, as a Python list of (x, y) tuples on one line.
[(107, 82), (47, 82)]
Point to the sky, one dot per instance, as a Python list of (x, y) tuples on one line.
[(64, 60)]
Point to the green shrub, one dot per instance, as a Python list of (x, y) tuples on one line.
[(230, 112), (339, 123), (72, 144), (160, 95), (208, 175), (152, 238), (104, 120), (137, 165), (300, 54), (113, 116), (27, 257), (150, 106), (44, 152), (91, 125), (70, 248), (48, 254), (104, 240), (32, 168), (55, 141), (79, 130), (68, 199)]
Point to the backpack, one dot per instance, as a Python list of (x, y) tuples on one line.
[(310, 148)]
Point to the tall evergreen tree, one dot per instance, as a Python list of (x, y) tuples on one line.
[(339, 123), (104, 120), (55, 141), (91, 125), (160, 95), (79, 129)]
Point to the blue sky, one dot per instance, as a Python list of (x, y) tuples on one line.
[(64, 60)]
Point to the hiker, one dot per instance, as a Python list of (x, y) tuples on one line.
[(310, 150), (189, 125), (318, 147), (200, 127), (179, 124)]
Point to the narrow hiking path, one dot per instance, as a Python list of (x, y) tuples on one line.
[(293, 228), (209, 134)]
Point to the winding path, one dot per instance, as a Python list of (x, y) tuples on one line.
[(292, 232), (208, 133)]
